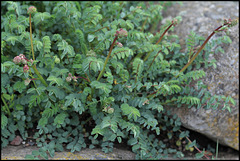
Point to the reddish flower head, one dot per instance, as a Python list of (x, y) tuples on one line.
[(17, 59), (25, 68), (121, 33), (31, 10)]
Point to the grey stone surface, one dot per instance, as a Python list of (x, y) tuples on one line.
[(203, 17), (19, 153)]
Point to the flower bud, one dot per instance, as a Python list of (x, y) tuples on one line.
[(225, 21), (74, 78), (17, 59), (57, 60), (121, 33), (110, 110), (22, 56), (24, 61), (31, 10), (25, 68), (31, 61), (70, 75), (27, 81), (68, 79), (174, 22), (119, 44)]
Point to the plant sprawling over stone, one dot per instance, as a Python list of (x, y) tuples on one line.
[(92, 75)]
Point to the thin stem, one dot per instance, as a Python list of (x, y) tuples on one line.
[(39, 75), (100, 29), (146, 57), (217, 150), (88, 78), (191, 142), (30, 74), (164, 33), (83, 78), (31, 36), (136, 74), (193, 58), (34, 66), (154, 59), (144, 23), (196, 147), (200, 49), (110, 51)]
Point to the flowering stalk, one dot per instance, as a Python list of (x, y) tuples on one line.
[(174, 23), (227, 23), (109, 53), (118, 34), (39, 75), (31, 36), (33, 9)]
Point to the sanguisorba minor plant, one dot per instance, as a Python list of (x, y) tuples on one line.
[(90, 74)]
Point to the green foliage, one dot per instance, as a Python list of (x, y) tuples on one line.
[(130, 111), (137, 67), (61, 96)]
